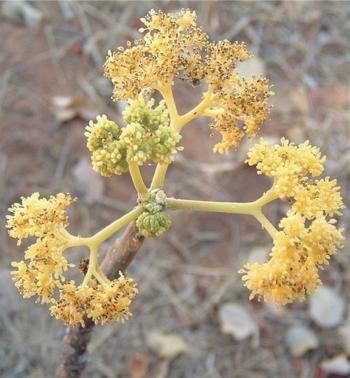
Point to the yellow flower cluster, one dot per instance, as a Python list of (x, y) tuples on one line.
[(146, 137), (294, 168), (36, 216), (44, 265), (108, 155), (244, 108), (170, 44), (307, 237), (174, 45), (103, 304), (42, 271)]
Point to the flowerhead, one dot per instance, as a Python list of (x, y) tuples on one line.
[(308, 235), (298, 253), (154, 221), (43, 266), (36, 216), (101, 303), (294, 170), (174, 46), (41, 273)]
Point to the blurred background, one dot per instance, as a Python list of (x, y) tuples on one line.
[(192, 317)]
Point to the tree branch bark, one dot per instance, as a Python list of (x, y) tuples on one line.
[(77, 338)]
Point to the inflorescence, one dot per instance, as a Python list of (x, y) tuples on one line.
[(308, 235), (174, 46), (41, 273)]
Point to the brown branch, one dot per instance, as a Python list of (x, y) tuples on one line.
[(76, 340)]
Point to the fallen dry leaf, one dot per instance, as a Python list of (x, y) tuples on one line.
[(166, 345), (67, 108), (90, 182), (236, 321)]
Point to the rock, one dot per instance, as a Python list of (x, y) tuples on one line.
[(166, 345), (344, 332), (236, 321), (300, 339), (337, 365)]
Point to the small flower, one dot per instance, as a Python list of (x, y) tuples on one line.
[(244, 108), (169, 45), (108, 154), (145, 113), (111, 304), (70, 307), (287, 163)]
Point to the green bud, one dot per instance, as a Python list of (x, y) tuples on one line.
[(153, 225)]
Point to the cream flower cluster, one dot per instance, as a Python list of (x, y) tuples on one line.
[(103, 304), (41, 273), (42, 270), (173, 45), (308, 235)]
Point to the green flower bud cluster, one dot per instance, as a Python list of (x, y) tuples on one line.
[(154, 221), (108, 153), (146, 137), (149, 132)]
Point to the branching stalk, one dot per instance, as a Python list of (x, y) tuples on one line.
[(177, 122), (197, 111), (253, 208), (94, 241)]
